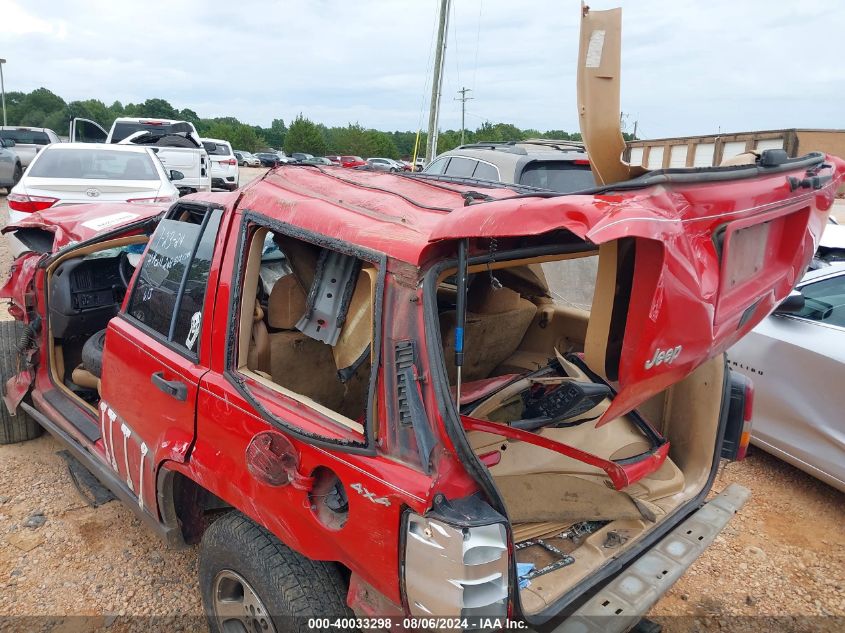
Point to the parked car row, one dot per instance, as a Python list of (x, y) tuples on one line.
[(204, 163), (276, 158)]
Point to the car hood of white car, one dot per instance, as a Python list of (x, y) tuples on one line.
[(833, 236)]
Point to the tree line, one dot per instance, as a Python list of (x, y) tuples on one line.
[(43, 108)]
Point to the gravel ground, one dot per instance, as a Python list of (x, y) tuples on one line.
[(783, 556)]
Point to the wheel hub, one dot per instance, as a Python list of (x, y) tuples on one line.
[(237, 607)]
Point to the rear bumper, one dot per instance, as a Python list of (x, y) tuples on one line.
[(619, 605), (229, 182)]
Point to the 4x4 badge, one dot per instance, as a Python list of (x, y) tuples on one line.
[(663, 356), (384, 501)]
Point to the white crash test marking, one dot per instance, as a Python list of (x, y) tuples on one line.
[(98, 224), (103, 408), (144, 451), (126, 433), (196, 321), (594, 50), (112, 417)]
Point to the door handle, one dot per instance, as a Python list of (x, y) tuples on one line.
[(173, 388)]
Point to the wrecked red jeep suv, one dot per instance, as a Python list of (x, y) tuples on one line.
[(361, 392), (356, 391)]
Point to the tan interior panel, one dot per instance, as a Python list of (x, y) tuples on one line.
[(357, 332), (598, 328), (258, 357), (599, 65), (248, 293), (286, 303), (558, 497)]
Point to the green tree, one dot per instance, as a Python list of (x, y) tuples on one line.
[(58, 122), (241, 136), (93, 109), (33, 118), (275, 134), (158, 109), (304, 136)]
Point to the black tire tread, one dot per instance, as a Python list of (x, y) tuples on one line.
[(20, 427), (92, 353), (307, 588)]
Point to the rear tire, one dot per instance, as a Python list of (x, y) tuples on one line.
[(92, 353), (19, 427), (16, 176), (250, 581)]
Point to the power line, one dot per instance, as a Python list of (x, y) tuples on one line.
[(463, 99), (477, 40)]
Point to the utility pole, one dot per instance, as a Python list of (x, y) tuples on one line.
[(3, 90), (437, 81), (463, 99), (635, 130)]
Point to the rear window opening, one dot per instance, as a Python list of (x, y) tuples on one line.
[(217, 149), (528, 397), (560, 176), (305, 335), (93, 164), (124, 129), (26, 137)]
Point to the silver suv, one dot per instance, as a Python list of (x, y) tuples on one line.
[(28, 140), (560, 166)]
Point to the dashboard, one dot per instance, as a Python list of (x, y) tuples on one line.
[(84, 295)]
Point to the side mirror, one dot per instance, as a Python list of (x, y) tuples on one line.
[(792, 304), (176, 175)]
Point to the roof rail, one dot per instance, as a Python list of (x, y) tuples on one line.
[(514, 146), (505, 146), (557, 144)]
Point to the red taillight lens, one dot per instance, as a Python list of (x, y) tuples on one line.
[(745, 438), (29, 204), (160, 200), (581, 161), (230, 161)]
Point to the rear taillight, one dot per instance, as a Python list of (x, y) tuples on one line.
[(159, 200), (457, 561), (748, 409), (229, 161), (740, 409), (581, 161), (29, 204)]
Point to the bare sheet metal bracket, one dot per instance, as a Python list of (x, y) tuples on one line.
[(329, 296)]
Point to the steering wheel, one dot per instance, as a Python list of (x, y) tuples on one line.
[(125, 269)]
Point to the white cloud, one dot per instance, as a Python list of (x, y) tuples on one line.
[(688, 66)]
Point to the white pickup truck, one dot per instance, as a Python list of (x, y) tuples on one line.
[(176, 144)]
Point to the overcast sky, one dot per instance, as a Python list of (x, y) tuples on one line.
[(689, 67)]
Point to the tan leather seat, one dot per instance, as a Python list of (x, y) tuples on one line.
[(304, 365), (258, 357), (496, 324)]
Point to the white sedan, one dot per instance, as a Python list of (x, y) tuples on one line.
[(796, 358), (77, 173)]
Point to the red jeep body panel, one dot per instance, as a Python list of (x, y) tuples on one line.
[(688, 292)]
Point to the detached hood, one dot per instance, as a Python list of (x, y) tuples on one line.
[(48, 232), (81, 222)]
